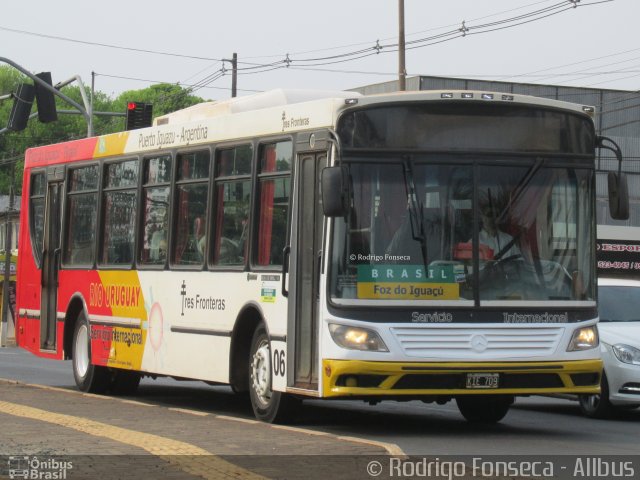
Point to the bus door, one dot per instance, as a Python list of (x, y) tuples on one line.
[(51, 257), (305, 269)]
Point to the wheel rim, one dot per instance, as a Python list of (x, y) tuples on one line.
[(261, 373), (591, 402), (81, 356)]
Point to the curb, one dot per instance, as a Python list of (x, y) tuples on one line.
[(391, 448)]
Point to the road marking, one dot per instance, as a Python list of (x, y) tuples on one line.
[(190, 412), (238, 419), (300, 430), (393, 449), (175, 452)]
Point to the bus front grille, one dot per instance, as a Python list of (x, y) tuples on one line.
[(452, 342)]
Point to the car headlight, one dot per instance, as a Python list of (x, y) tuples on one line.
[(583, 339), (626, 354), (356, 338)]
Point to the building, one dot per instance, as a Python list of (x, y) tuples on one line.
[(12, 217), (617, 117)]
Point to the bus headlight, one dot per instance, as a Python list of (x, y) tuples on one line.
[(584, 339), (626, 354), (356, 338)]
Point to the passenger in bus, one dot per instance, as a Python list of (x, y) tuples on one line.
[(199, 236), (404, 246), (501, 243), (158, 248)]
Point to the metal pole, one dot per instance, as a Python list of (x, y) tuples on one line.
[(234, 76), (46, 86), (402, 71), (7, 261)]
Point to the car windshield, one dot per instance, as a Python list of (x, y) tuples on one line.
[(618, 303), (436, 228)]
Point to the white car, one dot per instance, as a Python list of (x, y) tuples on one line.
[(619, 327)]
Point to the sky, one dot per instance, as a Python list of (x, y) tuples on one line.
[(135, 43)]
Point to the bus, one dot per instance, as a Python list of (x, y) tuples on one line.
[(435, 245)]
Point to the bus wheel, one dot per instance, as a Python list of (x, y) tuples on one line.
[(597, 406), (268, 406), (89, 378), (484, 408), (124, 382)]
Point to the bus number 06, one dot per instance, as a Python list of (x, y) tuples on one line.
[(278, 363)]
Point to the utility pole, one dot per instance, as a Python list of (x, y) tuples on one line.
[(4, 331), (234, 74), (402, 71)]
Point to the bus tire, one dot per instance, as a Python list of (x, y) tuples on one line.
[(89, 378), (484, 408), (268, 406), (597, 406), (124, 382)]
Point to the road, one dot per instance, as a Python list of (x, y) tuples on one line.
[(535, 425)]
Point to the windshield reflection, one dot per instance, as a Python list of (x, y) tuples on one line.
[(413, 233)]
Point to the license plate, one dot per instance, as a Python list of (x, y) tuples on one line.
[(482, 380)]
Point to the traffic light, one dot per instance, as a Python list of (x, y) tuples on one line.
[(46, 100), (138, 115), (22, 101)]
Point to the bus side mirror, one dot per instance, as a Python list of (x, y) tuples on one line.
[(618, 196), (335, 191)]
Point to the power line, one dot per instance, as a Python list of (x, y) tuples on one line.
[(462, 31), (122, 77), (106, 45), (377, 49)]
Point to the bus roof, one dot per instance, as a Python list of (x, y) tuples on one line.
[(277, 112), (272, 98)]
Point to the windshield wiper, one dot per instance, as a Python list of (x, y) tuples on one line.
[(416, 212)]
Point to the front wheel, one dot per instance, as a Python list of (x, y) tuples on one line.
[(89, 378), (598, 405), (484, 408), (268, 406)]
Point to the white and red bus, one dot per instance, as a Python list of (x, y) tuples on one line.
[(425, 245)]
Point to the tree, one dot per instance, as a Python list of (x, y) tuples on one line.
[(165, 98)]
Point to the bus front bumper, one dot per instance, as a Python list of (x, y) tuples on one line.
[(356, 378)]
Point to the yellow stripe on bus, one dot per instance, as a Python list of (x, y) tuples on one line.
[(109, 145)]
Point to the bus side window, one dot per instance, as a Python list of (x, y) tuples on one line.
[(119, 200), (192, 190), (81, 222), (36, 214), (274, 185), (232, 197), (155, 210)]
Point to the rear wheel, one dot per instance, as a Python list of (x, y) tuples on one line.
[(89, 377), (597, 406), (268, 406), (484, 408)]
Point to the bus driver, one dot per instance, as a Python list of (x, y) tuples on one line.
[(502, 244)]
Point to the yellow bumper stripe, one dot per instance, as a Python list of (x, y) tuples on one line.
[(394, 371)]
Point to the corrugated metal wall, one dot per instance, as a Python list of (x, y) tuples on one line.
[(617, 117)]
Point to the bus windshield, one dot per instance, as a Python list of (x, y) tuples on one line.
[(465, 231)]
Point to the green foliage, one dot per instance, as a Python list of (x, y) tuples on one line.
[(165, 98)]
